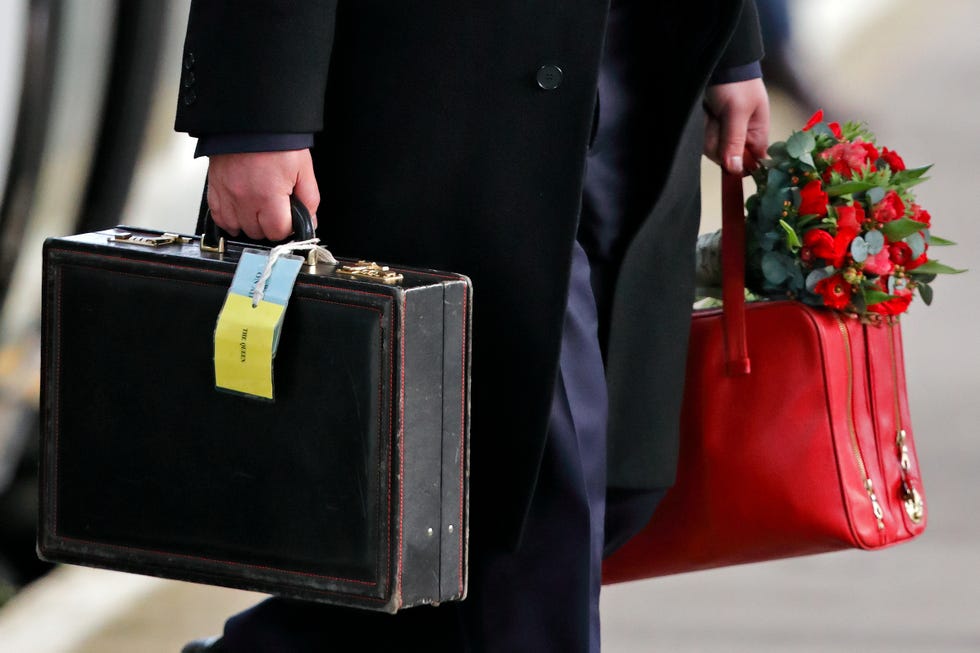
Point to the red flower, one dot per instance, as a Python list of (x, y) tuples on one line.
[(900, 253), (893, 160), (889, 208), (897, 305), (919, 214), (835, 291), (834, 249), (870, 151), (849, 219), (814, 119), (847, 158), (813, 201), (817, 118), (880, 263), (817, 243)]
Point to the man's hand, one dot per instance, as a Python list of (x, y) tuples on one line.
[(250, 191), (736, 128)]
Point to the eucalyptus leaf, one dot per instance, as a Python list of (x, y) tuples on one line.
[(821, 129), (768, 240), (859, 249), (816, 276), (774, 267), (772, 206), (935, 267), (800, 144), (796, 282), (897, 230), (876, 194), (925, 292), (918, 245), (777, 180), (778, 150), (875, 240)]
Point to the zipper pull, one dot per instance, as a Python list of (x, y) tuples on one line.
[(879, 513)]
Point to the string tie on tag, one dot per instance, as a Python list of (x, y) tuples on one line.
[(322, 254)]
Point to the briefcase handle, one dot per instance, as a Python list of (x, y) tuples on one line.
[(214, 237)]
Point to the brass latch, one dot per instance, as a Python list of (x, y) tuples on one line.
[(149, 241), (371, 271)]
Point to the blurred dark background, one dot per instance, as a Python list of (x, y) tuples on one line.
[(85, 136)]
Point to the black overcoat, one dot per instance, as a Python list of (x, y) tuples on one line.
[(439, 144)]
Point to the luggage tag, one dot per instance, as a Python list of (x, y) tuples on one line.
[(247, 331)]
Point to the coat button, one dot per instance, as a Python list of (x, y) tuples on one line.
[(189, 80), (189, 60), (549, 77), (190, 97)]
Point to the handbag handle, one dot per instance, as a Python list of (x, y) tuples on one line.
[(733, 275)]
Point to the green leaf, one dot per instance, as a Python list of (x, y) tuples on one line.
[(913, 173), (800, 144), (847, 188), (909, 178), (935, 267), (925, 292), (936, 241), (896, 230), (791, 238), (922, 278), (875, 296)]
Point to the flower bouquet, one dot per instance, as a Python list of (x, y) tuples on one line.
[(834, 223)]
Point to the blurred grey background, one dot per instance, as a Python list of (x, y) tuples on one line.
[(87, 95)]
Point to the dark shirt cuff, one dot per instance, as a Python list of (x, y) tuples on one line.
[(208, 145), (737, 73)]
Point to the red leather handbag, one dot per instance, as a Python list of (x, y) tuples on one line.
[(795, 435)]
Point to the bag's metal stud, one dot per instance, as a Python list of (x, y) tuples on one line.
[(429, 532), (450, 529)]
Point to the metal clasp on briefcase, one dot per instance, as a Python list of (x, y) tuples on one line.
[(371, 270), (149, 241)]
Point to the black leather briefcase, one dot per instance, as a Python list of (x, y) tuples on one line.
[(349, 488)]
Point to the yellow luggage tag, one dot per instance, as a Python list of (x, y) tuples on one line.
[(247, 332)]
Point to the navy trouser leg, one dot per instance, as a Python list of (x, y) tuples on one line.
[(545, 596)]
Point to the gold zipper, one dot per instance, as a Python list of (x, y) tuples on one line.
[(855, 448), (914, 506)]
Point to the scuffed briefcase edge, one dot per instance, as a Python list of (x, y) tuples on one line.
[(432, 447), (458, 308)]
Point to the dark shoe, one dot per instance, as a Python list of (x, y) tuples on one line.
[(208, 645)]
